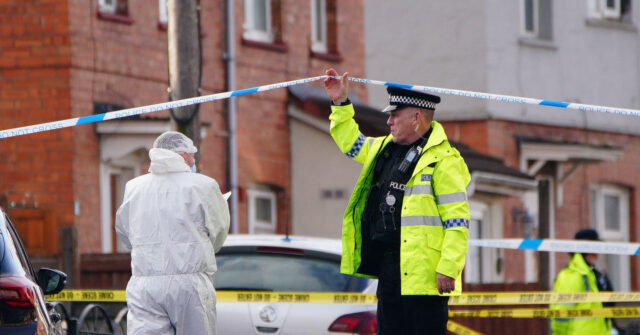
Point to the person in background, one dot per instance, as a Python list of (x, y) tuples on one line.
[(581, 276), (173, 220)]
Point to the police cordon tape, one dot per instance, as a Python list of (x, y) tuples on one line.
[(229, 296), (466, 299), (501, 97), (218, 96), (459, 329), (591, 247), (146, 109), (567, 313)]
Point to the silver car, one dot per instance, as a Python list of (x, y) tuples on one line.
[(275, 263)]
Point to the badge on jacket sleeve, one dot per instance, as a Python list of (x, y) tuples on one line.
[(425, 177)]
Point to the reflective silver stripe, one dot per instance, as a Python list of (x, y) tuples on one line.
[(581, 318), (451, 198), (371, 141), (418, 189), (421, 221)]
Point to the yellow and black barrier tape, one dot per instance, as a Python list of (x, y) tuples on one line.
[(565, 313), (540, 298), (459, 329), (466, 299), (90, 296)]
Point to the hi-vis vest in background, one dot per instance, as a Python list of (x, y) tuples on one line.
[(578, 277)]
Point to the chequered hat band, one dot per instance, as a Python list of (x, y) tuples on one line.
[(400, 99)]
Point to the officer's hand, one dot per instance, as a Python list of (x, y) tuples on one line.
[(446, 284), (337, 89)]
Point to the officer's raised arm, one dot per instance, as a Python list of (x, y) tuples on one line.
[(337, 90)]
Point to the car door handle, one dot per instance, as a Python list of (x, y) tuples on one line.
[(267, 329)]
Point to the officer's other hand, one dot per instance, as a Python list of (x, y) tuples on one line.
[(445, 284), (337, 89)]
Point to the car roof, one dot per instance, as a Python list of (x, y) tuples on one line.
[(327, 245)]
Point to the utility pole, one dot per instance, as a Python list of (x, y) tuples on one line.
[(185, 63)]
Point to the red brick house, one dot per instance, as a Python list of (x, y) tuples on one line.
[(68, 58)]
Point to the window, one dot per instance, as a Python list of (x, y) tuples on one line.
[(615, 10), (324, 30), (537, 19), (319, 25), (610, 217), (162, 12), (263, 272), (262, 212), (257, 20), (116, 7)]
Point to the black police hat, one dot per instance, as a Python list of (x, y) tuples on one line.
[(400, 97), (587, 234)]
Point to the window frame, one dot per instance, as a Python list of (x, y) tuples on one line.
[(254, 223), (162, 13), (599, 10), (249, 32), (614, 13), (536, 9), (108, 8), (117, 11), (621, 278), (322, 44), (542, 17), (600, 191)]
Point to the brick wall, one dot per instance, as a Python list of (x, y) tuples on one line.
[(263, 130), (35, 55)]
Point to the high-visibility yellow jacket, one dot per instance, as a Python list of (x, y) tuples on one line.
[(578, 277), (434, 215)]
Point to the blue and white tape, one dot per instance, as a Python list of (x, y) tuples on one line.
[(589, 247), (146, 109), (500, 97), (218, 96)]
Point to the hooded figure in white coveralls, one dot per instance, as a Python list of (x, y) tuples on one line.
[(173, 220)]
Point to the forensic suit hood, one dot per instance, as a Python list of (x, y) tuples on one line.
[(173, 221)]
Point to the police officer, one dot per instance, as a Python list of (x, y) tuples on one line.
[(581, 276), (407, 220)]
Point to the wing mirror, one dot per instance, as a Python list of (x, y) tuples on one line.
[(51, 281)]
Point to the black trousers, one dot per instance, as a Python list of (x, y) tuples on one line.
[(406, 315)]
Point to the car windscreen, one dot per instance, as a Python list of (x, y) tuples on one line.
[(276, 272), (9, 263)]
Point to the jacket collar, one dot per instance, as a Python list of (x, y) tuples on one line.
[(437, 135), (578, 264), (166, 161)]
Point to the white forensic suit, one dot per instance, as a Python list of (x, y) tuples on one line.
[(173, 221)]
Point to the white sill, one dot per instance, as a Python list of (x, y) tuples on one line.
[(319, 48), (258, 36), (538, 43), (611, 24)]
